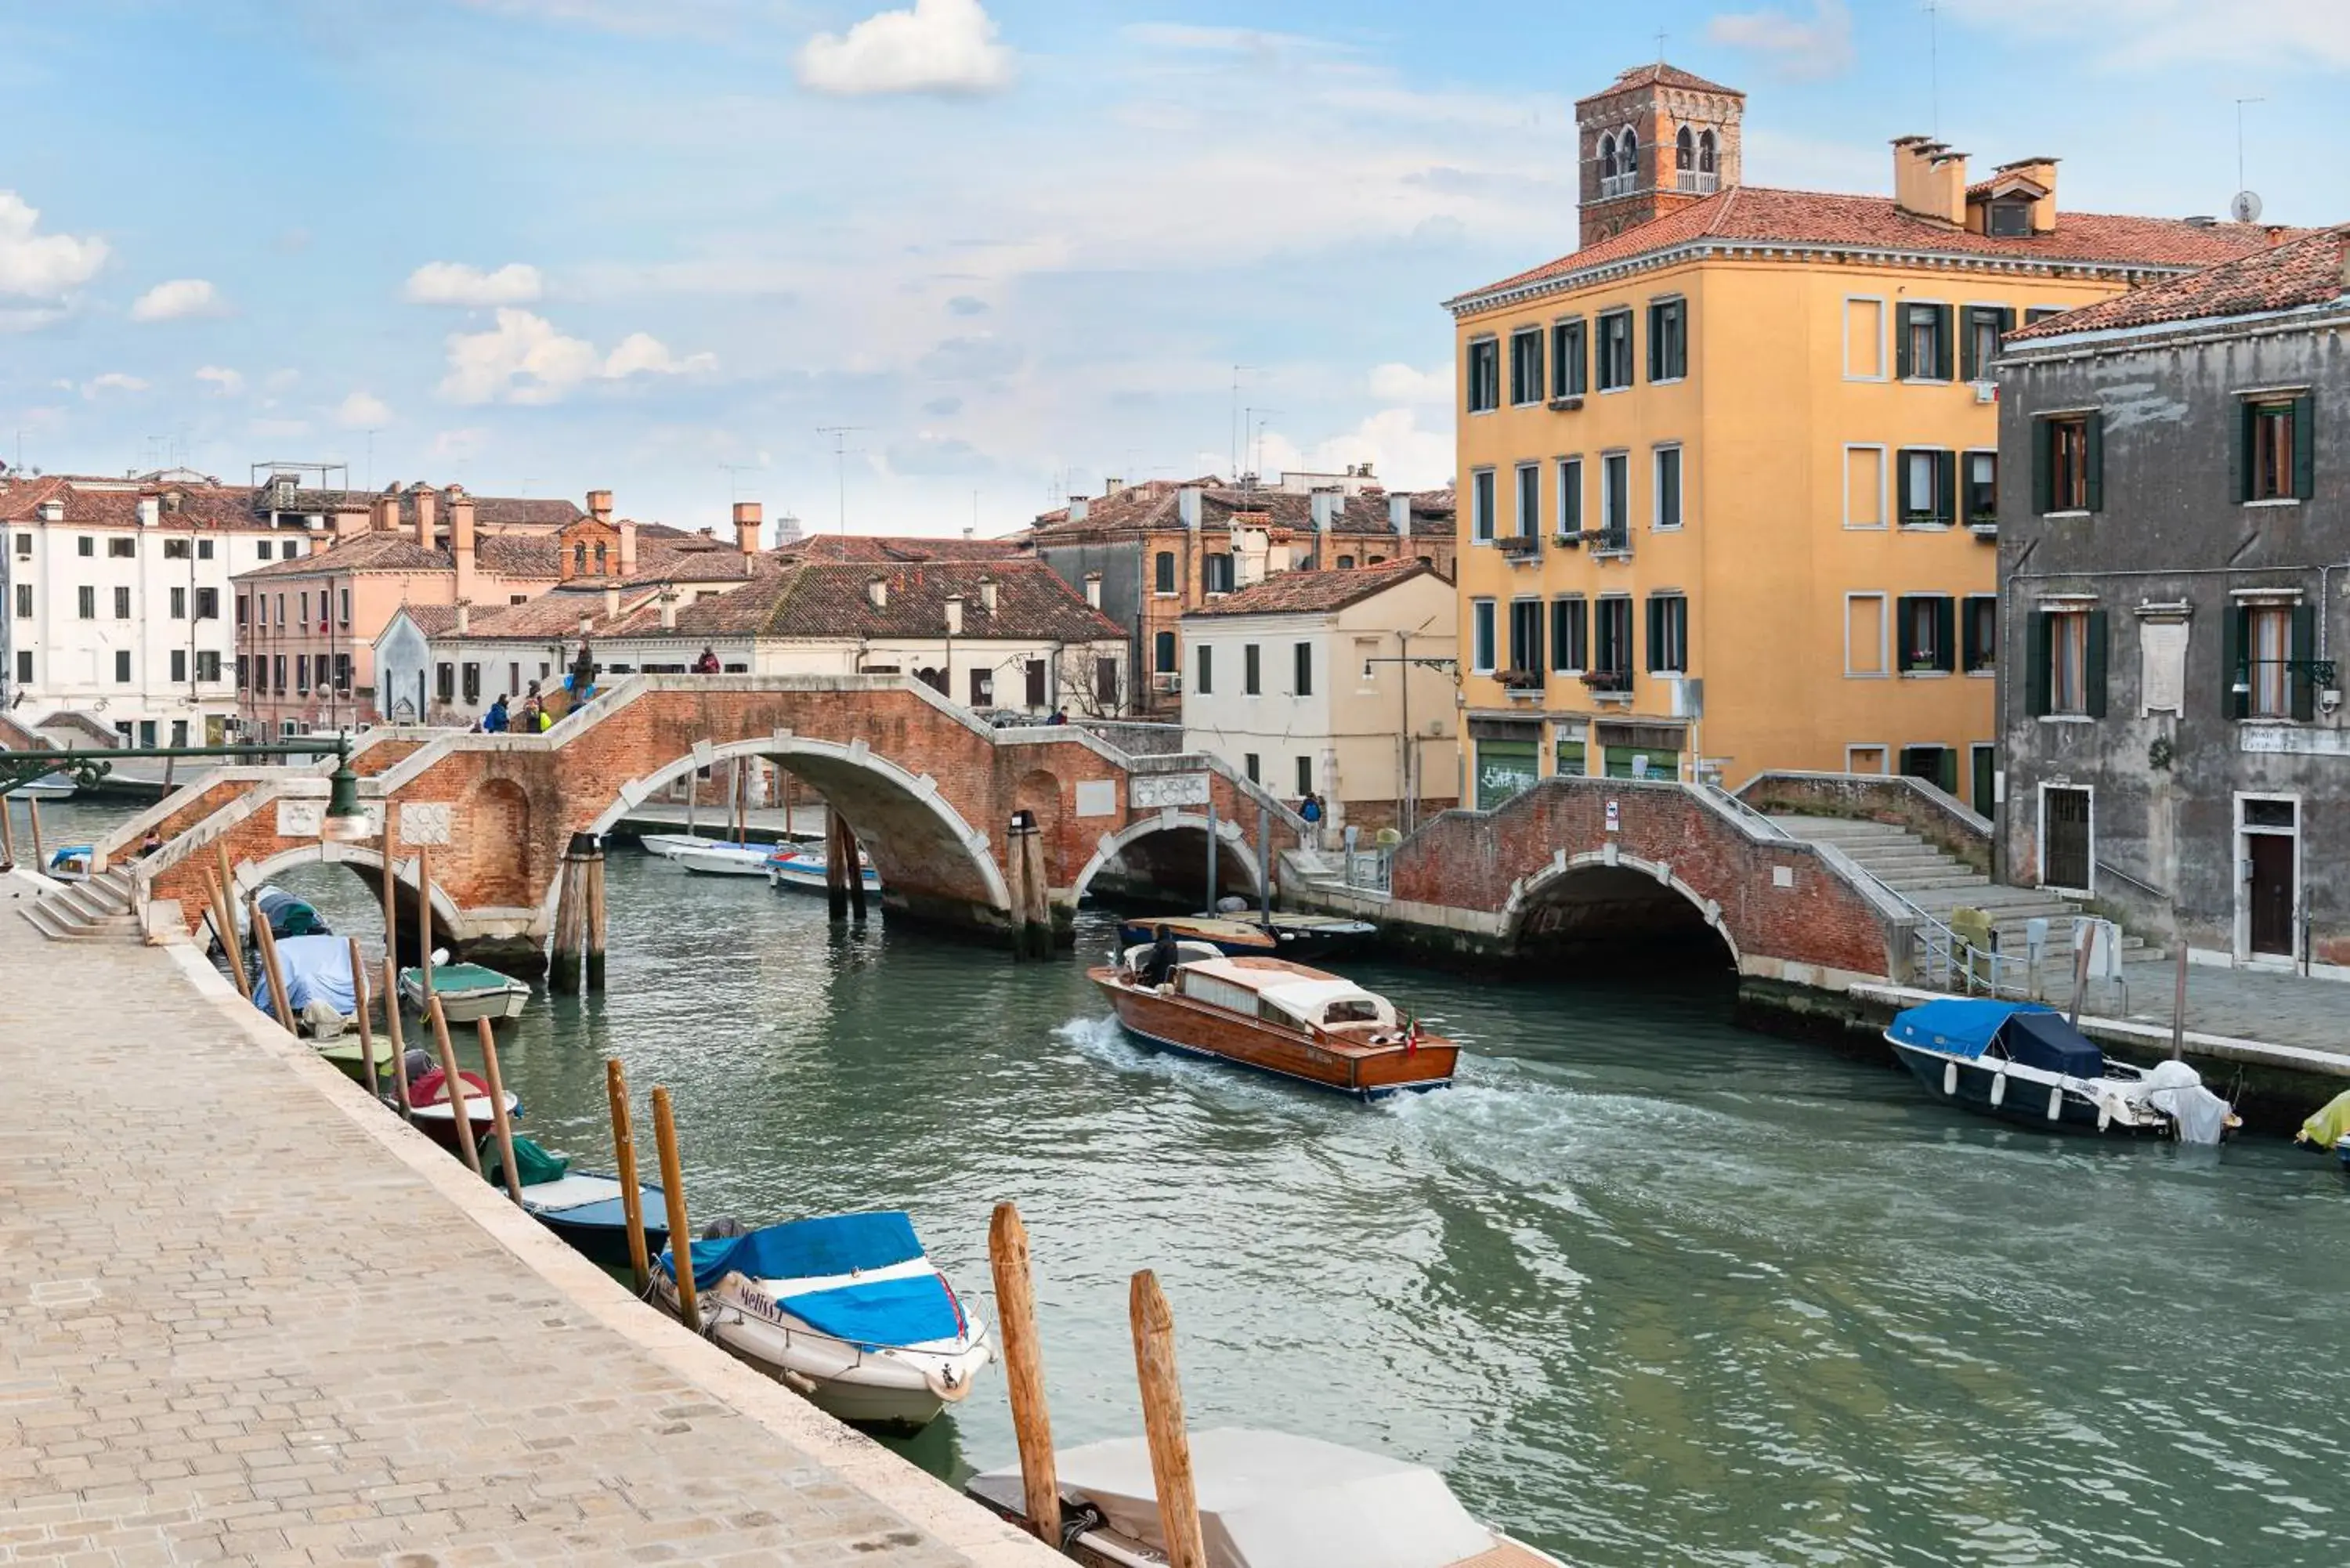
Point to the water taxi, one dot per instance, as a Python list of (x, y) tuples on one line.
[(1276, 1016)]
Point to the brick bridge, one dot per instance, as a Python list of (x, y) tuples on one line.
[(1606, 866), (929, 790)]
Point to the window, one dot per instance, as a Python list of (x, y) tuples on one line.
[(1484, 375), (23, 546), (1304, 776), (1206, 683), (347, 607), (1570, 373), (1570, 495), (208, 604), (2042, 312), (203, 549), (122, 604), (982, 688), (1106, 684), (2008, 219), (1615, 501), (280, 616), (1250, 764), (1527, 364), (1865, 634), (1929, 484), (1668, 634), (2262, 648), (1162, 653), (208, 665), (1936, 765), (1252, 671), (175, 549), (2068, 463), (1612, 645), (1979, 633), (86, 603), (277, 672), (1981, 497), (244, 671), (1667, 488), (241, 610), (1481, 505), (1301, 665), (1570, 634), (1216, 573), (24, 601), (1925, 623), (85, 545), (25, 666), (1864, 487), (1346, 563), (1032, 692), (1986, 325), (2277, 460), (1864, 339), (178, 665), (2064, 652), (122, 665), (1481, 636), (179, 604), (1526, 639), (123, 549), (445, 681), (1668, 340), (261, 551), (1615, 350), (301, 673), (1529, 517), (1571, 761), (1162, 572), (1923, 344), (305, 611)]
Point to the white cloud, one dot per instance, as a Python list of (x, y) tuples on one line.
[(524, 358), (937, 46), (2140, 33), (1802, 49), (34, 265), (361, 412), (112, 382), (228, 383), (1400, 383), (180, 297), (455, 283), (1402, 454)]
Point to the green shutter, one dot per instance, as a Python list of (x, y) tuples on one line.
[(2035, 664), (1946, 624), (2095, 482), (2305, 446), (2235, 627), (1947, 774), (1968, 367), (1905, 609), (1941, 342), (2095, 673), (2304, 648), (1656, 633), (1656, 342), (1902, 504), (2043, 467), (2006, 326), (1946, 498), (1901, 342), (2247, 428)]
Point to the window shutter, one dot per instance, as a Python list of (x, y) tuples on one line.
[(2043, 467), (1968, 367), (1656, 633), (1946, 499), (2006, 319), (1947, 773), (1946, 624), (1901, 343), (2305, 446), (1941, 342), (1656, 346), (2234, 627), (1902, 502), (1905, 624), (2247, 425), (2095, 673), (2035, 664), (2304, 647), (2094, 465)]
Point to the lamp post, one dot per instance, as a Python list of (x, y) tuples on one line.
[(1411, 742)]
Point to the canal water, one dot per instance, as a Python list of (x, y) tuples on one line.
[(1647, 1288)]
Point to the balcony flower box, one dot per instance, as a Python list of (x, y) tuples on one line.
[(1519, 546), (1520, 682), (1607, 680), (1567, 405), (1923, 520)]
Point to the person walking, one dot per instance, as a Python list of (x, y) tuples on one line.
[(494, 720), (1310, 808)]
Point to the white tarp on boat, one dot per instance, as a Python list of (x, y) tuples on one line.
[(1268, 1499)]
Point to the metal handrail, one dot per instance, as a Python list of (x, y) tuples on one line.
[(1757, 819), (2111, 870), (1941, 953)]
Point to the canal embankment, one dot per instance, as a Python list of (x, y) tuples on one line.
[(250, 1316)]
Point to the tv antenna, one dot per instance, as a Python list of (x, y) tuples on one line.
[(2246, 206), (840, 452), (1238, 371), (1934, 66)]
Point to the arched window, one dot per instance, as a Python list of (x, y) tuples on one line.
[(1628, 154), (1608, 157), (1705, 152), (1684, 150)]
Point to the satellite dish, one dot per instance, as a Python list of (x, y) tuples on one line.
[(2246, 207)]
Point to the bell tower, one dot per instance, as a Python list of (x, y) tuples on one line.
[(1654, 140)]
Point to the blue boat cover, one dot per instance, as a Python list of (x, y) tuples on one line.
[(611, 1213), (289, 915), (2033, 1035), (804, 1249), (911, 1311), (318, 969)]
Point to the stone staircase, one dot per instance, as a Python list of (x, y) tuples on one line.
[(1938, 884), (99, 909)]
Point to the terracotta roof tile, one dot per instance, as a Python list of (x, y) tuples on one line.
[(553, 614), (833, 599), (2311, 270), (432, 621), (1658, 73), (1306, 593), (521, 555), (882, 547)]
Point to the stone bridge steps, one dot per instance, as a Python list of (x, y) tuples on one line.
[(96, 910)]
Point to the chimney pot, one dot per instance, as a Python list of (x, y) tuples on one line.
[(987, 595), (1400, 513), (464, 617), (628, 548), (599, 505), (424, 498), (461, 540), (587, 623), (1326, 509), (954, 615), (150, 511), (669, 609), (611, 604), (1187, 506), (1093, 589), (1077, 508), (747, 521)]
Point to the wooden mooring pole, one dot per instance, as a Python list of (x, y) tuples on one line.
[(391, 1034), (424, 922), (1024, 1371), (367, 1028), (1162, 1422), (836, 883), (224, 918), (390, 904), (570, 921), (8, 831), (852, 861), (593, 869), (33, 824), (2179, 1004), (265, 940), (680, 1240), (455, 1086), (624, 1160), (501, 1122)]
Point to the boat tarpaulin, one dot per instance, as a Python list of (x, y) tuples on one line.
[(914, 1310), (318, 969), (2331, 1124), (289, 915), (2033, 1035), (463, 977), (537, 1167), (2041, 1038), (806, 1249)]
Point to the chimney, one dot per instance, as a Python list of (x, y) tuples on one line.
[(628, 547), (1093, 589), (587, 623), (954, 615), (1326, 509), (150, 511), (669, 609), (599, 505), (317, 546), (611, 604), (460, 539), (386, 511), (1929, 181), (464, 617), (747, 522), (425, 497), (878, 590), (987, 595), (1077, 508), (1400, 513), (1112, 486), (1187, 506)]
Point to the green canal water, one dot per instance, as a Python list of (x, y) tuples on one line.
[(1645, 1287)]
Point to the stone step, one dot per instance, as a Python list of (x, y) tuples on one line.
[(1841, 830), (1956, 876), (1888, 867), (89, 902), (53, 924)]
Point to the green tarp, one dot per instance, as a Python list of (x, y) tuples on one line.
[(534, 1163)]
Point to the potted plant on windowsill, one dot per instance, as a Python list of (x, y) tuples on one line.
[(1519, 681), (1922, 520), (1607, 680), (1983, 522), (1515, 544), (1923, 664)]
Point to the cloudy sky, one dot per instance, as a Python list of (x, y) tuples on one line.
[(537, 247)]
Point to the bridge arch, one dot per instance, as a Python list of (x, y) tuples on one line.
[(1232, 849), (365, 860), (1601, 898)]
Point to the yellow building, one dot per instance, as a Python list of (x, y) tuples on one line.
[(1727, 472)]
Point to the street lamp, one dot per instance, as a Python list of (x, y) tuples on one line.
[(344, 822)]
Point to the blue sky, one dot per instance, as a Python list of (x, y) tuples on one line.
[(538, 246)]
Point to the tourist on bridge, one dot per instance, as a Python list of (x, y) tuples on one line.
[(494, 721)]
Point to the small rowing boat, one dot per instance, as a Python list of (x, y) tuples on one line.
[(667, 845), (467, 992), (2021, 1062), (846, 1309), (428, 1100), (1276, 1016), (1266, 1499), (587, 1209), (71, 862)]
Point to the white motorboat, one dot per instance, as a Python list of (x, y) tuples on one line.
[(800, 867), (723, 860), (668, 845), (1266, 1499), (844, 1309), (48, 786), (2021, 1062)]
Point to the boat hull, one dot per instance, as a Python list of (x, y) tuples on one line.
[(595, 1227), (440, 1124), (1180, 1025), (724, 861), (493, 1002), (2024, 1103), (1242, 936), (801, 878)]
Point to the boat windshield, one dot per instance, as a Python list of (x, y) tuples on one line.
[(1353, 1009)]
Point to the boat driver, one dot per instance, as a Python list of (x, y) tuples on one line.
[(1159, 965)]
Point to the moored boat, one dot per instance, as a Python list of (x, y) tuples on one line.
[(587, 1209), (844, 1309), (317, 974), (1266, 1499), (467, 992), (428, 1100), (2021, 1062), (1276, 1017), (1281, 935), (71, 862), (667, 845), (48, 786), (802, 868), (289, 915), (2328, 1128), (723, 859)]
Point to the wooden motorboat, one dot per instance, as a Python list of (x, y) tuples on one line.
[(1266, 1499), (802, 868), (349, 1061), (1280, 935), (844, 1309), (467, 992), (427, 1099), (2021, 1062), (587, 1209), (1278, 1017)]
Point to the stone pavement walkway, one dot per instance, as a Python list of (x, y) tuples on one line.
[(246, 1316), (2243, 1004)]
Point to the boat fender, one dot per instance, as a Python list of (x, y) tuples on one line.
[(1999, 1088), (799, 1383), (2055, 1101), (2105, 1117), (1950, 1078)]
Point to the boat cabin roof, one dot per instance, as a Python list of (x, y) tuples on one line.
[(1309, 995)]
